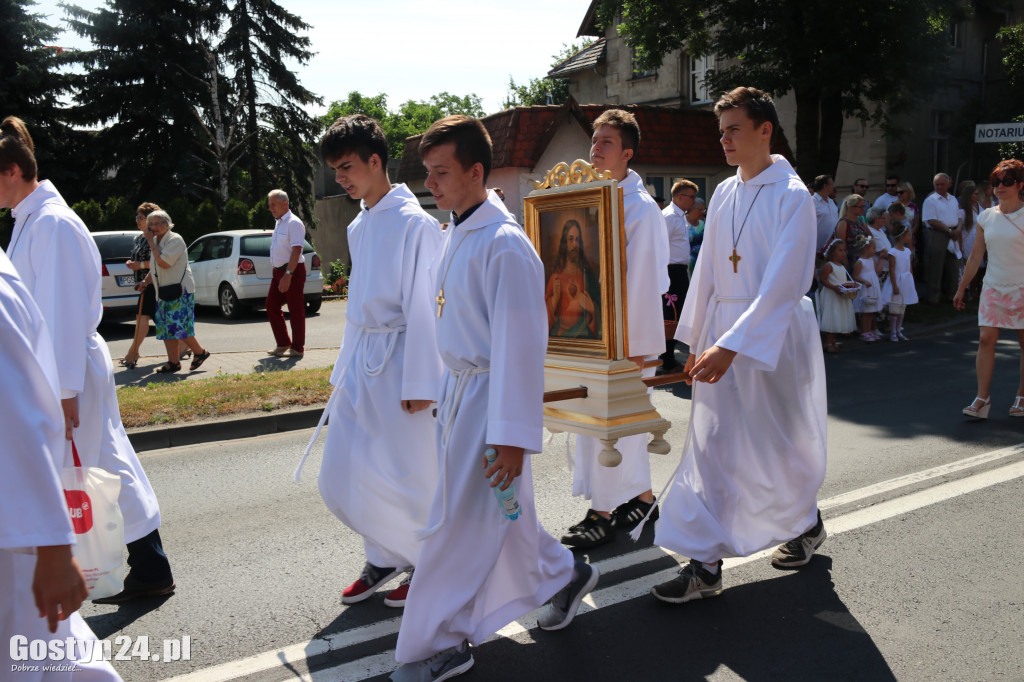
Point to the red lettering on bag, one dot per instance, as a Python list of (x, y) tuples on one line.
[(80, 509)]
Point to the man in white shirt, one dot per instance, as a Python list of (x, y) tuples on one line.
[(684, 194), (289, 278), (825, 209), (941, 215), (892, 184)]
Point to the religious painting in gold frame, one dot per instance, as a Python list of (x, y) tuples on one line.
[(574, 230)]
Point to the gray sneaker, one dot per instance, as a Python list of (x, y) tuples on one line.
[(798, 552), (562, 607), (441, 666), (693, 582)]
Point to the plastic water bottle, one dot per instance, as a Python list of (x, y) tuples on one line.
[(506, 498)]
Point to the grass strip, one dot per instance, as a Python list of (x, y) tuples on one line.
[(224, 395)]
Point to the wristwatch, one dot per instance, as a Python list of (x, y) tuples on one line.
[(287, 271)]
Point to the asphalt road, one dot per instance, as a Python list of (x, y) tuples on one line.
[(919, 579)]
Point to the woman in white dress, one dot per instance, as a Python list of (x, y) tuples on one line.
[(1000, 230)]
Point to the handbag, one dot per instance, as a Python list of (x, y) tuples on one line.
[(91, 494), (171, 292)]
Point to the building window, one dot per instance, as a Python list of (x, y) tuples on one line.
[(956, 35), (637, 71), (700, 68)]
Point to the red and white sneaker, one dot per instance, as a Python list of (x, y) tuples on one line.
[(369, 582), (396, 597)]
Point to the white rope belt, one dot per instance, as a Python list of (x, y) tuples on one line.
[(446, 414), (362, 342)]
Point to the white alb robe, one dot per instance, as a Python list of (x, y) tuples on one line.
[(33, 512), (60, 264), (756, 451), (647, 258), (379, 470), (478, 571)]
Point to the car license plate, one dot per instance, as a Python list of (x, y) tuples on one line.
[(126, 280)]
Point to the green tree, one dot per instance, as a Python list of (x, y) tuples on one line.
[(838, 59), (183, 215), (118, 215), (235, 216), (32, 84), (136, 88), (260, 217), (91, 214), (536, 90), (261, 40), (1011, 40), (412, 117)]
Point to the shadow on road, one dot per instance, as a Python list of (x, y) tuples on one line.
[(786, 628), (108, 624)]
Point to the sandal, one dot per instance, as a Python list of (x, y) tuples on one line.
[(979, 408), (185, 354), (1018, 407), (169, 368), (198, 360), (831, 348)]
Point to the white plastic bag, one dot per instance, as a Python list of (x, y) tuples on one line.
[(91, 494)]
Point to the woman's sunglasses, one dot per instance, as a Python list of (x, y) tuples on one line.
[(1005, 181)]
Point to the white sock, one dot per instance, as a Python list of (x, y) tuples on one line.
[(711, 568)]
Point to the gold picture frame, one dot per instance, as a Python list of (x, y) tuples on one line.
[(578, 233)]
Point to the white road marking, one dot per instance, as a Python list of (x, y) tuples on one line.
[(379, 664)]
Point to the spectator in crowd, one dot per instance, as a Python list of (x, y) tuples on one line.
[(869, 299), (825, 209), (835, 307), (289, 278), (967, 198), (892, 184), (175, 304), (860, 186), (904, 291), (139, 263), (941, 215), (684, 195), (695, 219), (1002, 296), (849, 226), (986, 199), (878, 219), (906, 196)]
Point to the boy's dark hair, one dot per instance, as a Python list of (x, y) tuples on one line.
[(17, 148), (757, 103), (472, 143), (356, 134), (625, 123)]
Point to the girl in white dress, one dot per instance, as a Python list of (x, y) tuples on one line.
[(868, 301), (835, 307), (904, 291)]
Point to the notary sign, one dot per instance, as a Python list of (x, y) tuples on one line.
[(999, 132)]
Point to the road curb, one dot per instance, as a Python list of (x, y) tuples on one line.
[(159, 437)]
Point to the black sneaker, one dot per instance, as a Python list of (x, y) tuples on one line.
[(562, 607), (592, 531), (693, 582), (443, 665), (798, 552), (628, 514)]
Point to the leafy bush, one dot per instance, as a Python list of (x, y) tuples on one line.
[(260, 217), (207, 218), (184, 218), (91, 214), (118, 214), (235, 216)]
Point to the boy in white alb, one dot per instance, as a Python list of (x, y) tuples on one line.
[(41, 584), (621, 496), (754, 458), (379, 470), (478, 570)]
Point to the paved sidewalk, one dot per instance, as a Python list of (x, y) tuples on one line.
[(218, 364)]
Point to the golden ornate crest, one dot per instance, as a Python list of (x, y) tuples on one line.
[(563, 174)]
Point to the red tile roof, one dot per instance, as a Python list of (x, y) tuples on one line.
[(669, 136)]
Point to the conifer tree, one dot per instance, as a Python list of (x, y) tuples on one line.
[(261, 38)]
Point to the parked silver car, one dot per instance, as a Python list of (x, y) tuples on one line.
[(118, 290), (232, 270)]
